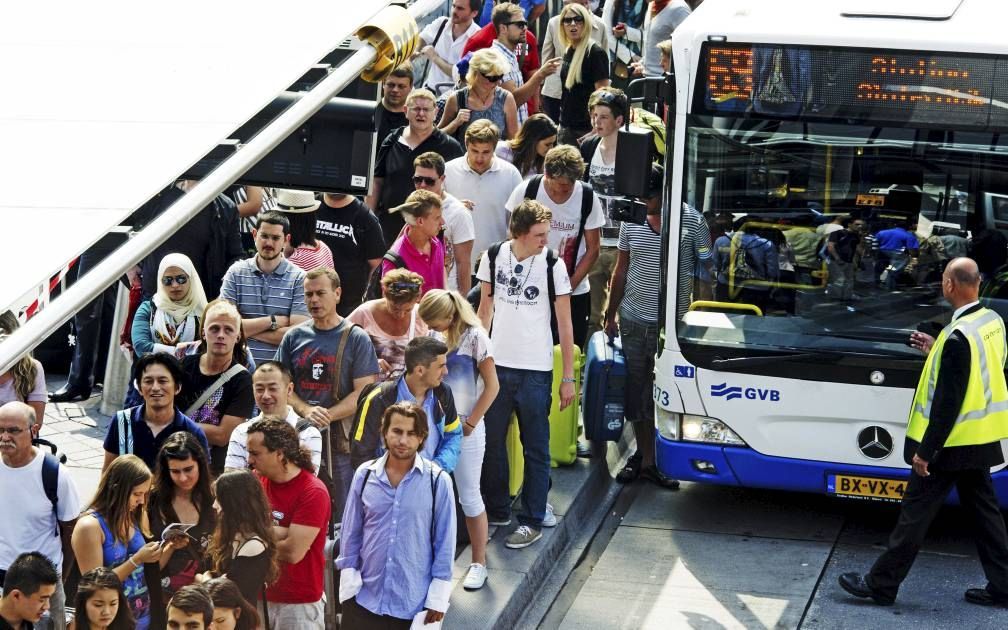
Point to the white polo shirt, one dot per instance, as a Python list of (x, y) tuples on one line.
[(447, 48), (488, 192)]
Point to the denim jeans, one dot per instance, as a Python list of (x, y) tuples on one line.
[(528, 393), (342, 476), (841, 279), (640, 343), (895, 262)]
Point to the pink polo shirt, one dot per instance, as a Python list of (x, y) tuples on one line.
[(430, 266)]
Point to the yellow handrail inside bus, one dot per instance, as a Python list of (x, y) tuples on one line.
[(730, 306)]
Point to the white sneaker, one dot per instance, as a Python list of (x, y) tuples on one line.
[(550, 519), (475, 578)]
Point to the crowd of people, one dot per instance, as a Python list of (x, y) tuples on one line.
[(303, 362)]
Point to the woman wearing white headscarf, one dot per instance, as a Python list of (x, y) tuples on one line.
[(170, 321), (171, 317)]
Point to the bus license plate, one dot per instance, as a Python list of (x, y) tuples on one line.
[(865, 487)]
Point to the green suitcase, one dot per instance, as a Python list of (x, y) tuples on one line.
[(564, 424)]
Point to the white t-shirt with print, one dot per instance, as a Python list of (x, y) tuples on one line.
[(602, 177), (464, 378), (458, 228), (566, 221), (30, 525), (521, 334)]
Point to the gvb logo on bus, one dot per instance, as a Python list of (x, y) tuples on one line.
[(750, 393)]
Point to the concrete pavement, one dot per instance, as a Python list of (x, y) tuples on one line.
[(78, 430), (714, 557)]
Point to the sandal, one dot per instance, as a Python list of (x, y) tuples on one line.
[(655, 476), (631, 470)]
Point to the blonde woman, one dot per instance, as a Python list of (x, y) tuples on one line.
[(392, 320), (585, 69), (25, 380), (482, 98), (472, 378)]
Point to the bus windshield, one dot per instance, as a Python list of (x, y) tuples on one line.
[(829, 237)]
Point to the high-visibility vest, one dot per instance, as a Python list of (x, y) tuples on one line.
[(983, 417)]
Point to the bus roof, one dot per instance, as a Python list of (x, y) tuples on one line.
[(975, 26)]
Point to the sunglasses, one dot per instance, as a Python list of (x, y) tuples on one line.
[(493, 78), (426, 181), (522, 24), (404, 286), (179, 280), (574, 19)]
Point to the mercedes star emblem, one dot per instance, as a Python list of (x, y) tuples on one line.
[(875, 442)]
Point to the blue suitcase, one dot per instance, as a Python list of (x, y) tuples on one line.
[(604, 380)]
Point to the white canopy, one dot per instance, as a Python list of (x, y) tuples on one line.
[(105, 103)]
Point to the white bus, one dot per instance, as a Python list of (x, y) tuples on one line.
[(778, 370)]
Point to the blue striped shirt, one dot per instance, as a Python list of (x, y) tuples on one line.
[(258, 294)]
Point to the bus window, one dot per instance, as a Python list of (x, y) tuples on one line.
[(831, 235)]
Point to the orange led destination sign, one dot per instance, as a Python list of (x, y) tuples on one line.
[(909, 87), (729, 74), (918, 82)]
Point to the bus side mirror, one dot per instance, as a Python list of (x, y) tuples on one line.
[(633, 162)]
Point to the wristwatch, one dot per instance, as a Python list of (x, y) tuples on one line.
[(273, 323), (567, 380)]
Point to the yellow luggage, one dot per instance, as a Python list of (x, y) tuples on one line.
[(564, 424), (516, 458)]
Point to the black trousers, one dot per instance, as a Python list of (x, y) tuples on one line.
[(356, 617), (923, 498), (551, 107), (580, 306), (92, 330)]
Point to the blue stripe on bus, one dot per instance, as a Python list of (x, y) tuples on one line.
[(746, 468)]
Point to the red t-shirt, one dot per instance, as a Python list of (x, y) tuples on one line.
[(529, 62), (303, 500)]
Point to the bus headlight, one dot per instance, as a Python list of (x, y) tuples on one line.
[(667, 423), (711, 430)]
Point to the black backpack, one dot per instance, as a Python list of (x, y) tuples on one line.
[(225, 243), (50, 474), (587, 196), (846, 245), (373, 290)]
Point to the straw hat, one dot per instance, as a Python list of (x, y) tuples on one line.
[(296, 201)]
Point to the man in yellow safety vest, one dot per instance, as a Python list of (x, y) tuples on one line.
[(958, 418)]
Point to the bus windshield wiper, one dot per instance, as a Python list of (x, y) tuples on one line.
[(736, 362)]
